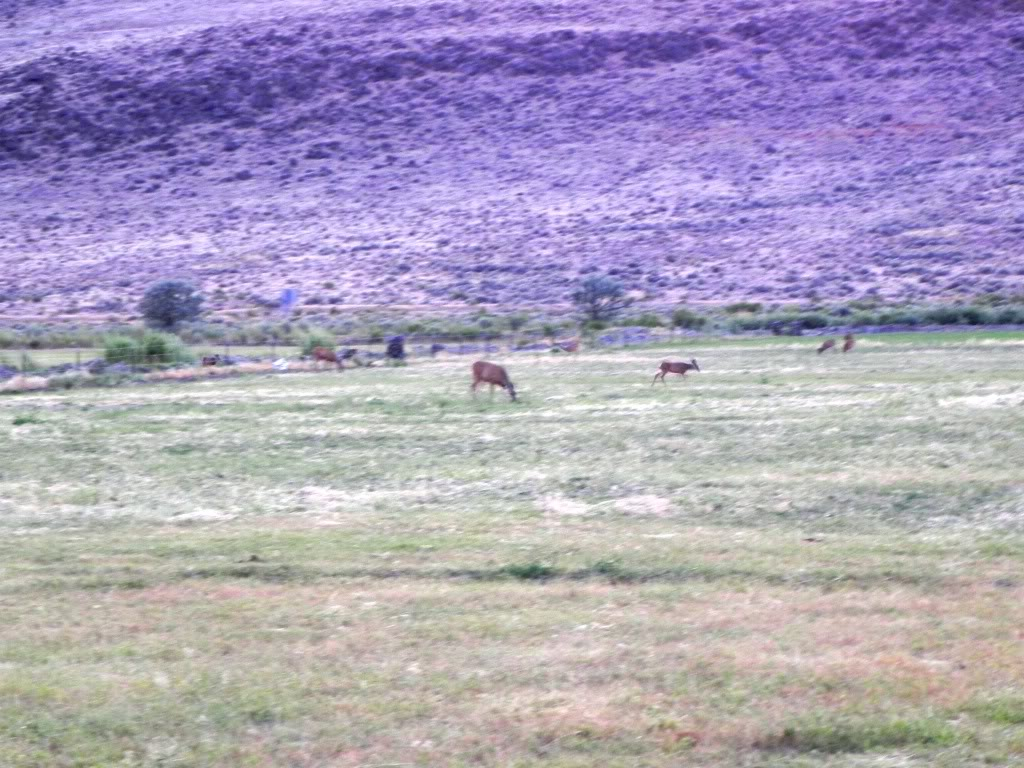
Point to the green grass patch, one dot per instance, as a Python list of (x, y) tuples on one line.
[(1003, 710), (864, 735)]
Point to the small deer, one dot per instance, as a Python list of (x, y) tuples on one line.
[(848, 342), (212, 360), (495, 375), (324, 355), (680, 368), (829, 343), (569, 345)]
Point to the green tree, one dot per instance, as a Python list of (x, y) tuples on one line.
[(601, 297), (170, 302)]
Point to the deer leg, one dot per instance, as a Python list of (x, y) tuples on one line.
[(656, 378), (492, 391)]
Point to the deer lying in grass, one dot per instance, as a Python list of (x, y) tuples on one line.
[(848, 342), (495, 375), (680, 368), (324, 355), (827, 345)]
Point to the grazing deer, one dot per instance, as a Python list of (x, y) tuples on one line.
[(680, 368), (829, 343), (495, 375), (322, 354), (212, 360), (848, 342)]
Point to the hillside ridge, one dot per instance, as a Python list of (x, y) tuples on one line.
[(374, 153)]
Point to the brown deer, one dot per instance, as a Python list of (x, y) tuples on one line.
[(680, 368), (829, 343), (495, 375), (848, 342), (569, 345), (212, 360), (324, 355)]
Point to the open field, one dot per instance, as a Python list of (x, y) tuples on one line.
[(784, 560)]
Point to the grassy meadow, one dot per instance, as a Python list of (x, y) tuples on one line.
[(784, 560)]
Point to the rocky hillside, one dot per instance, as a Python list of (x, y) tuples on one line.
[(439, 153)]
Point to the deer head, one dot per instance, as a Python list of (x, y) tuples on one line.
[(693, 362)]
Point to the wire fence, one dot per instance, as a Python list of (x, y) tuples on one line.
[(134, 356)]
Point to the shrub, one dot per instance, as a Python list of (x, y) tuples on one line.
[(861, 319), (170, 302), (152, 348), (601, 297), (121, 349), (899, 317), (740, 324), (1009, 316), (685, 318), (813, 320), (164, 348), (647, 320), (942, 315), (517, 322), (736, 308), (316, 337), (974, 316)]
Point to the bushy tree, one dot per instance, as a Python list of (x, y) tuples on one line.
[(601, 297), (170, 302)]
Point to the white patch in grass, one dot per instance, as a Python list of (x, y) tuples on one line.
[(644, 506), (560, 505)]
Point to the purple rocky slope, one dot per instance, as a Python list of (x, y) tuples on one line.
[(434, 153)]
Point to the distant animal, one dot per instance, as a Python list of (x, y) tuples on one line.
[(212, 360), (495, 375), (829, 343), (670, 367), (325, 355), (569, 345), (848, 342), (435, 348)]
